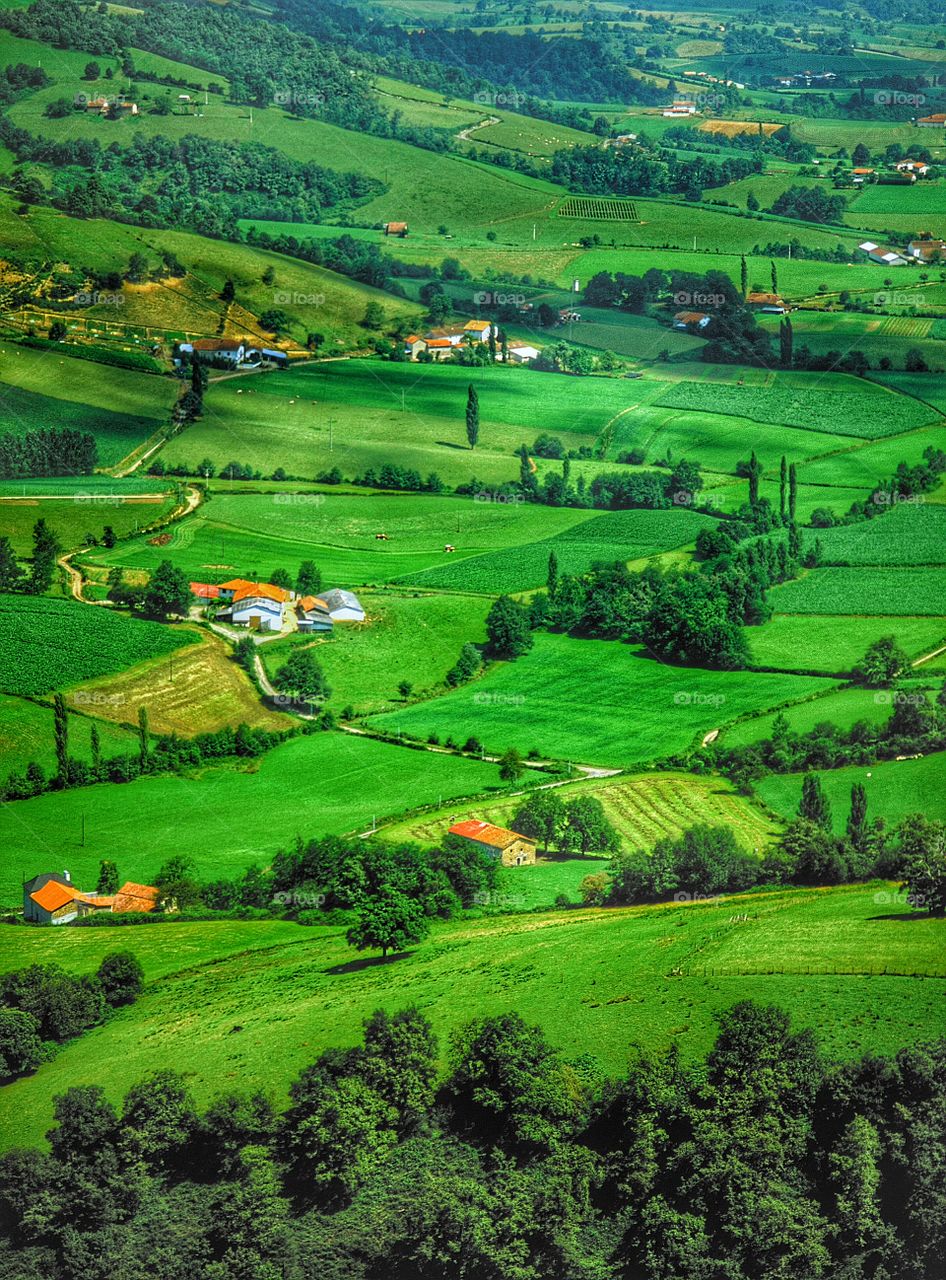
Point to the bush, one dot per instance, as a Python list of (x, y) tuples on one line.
[(122, 978), (21, 1049)]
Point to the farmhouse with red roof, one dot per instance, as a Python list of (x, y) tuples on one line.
[(511, 847)]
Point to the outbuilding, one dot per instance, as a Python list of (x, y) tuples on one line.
[(511, 848)]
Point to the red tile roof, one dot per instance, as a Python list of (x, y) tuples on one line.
[(204, 591), (53, 895), (234, 584), (136, 897), (261, 590), (312, 602), (216, 344), (486, 833)]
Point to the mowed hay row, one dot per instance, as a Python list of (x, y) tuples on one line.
[(598, 209), (197, 690), (731, 128), (645, 809)]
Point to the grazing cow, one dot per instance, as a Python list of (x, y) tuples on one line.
[(448, 547)]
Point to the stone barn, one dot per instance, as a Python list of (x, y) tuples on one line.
[(511, 847)]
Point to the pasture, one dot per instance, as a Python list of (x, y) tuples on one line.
[(617, 535), (255, 533), (48, 643), (833, 645), (597, 981), (595, 702), (75, 518), (841, 707), (895, 790), (26, 736), (120, 407), (318, 784)]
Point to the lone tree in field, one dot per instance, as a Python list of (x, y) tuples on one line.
[(743, 276), (882, 663), (301, 676), (508, 629), (472, 416), (783, 489), (168, 592), (510, 765), (144, 738), (792, 492), (814, 803), (755, 474), (551, 581), (389, 921)]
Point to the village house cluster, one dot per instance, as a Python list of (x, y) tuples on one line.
[(52, 898), (264, 607)]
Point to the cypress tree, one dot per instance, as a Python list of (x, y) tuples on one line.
[(61, 730), (783, 488), (857, 821), (143, 743), (551, 581), (814, 803), (744, 275), (472, 416), (774, 275), (792, 492)]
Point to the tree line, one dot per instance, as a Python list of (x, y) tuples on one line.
[(763, 1157)]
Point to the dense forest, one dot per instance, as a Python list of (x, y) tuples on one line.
[(765, 1159)]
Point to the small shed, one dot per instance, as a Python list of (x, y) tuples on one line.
[(343, 606)]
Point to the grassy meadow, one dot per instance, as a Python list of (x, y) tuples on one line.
[(595, 702), (229, 816), (597, 981)]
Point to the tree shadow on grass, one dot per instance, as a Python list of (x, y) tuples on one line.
[(453, 444), (370, 962), (904, 916)]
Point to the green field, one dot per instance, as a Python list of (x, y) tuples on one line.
[(805, 950), (618, 535), (26, 735), (836, 403), (119, 407), (832, 645), (895, 790), (228, 817), (912, 533), (407, 637), (843, 708), (254, 533), (48, 643), (71, 519), (893, 592), (596, 702)]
